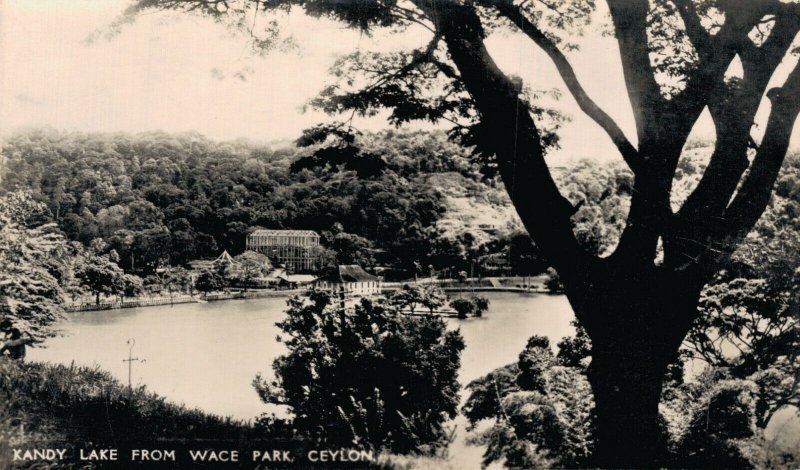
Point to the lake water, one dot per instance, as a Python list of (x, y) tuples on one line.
[(206, 355)]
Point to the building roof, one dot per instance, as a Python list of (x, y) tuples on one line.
[(201, 264), (299, 278), (347, 273), (225, 258), (278, 273), (283, 233)]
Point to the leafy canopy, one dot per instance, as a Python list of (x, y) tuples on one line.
[(31, 296), (362, 376)]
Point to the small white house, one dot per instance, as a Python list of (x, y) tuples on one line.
[(349, 279)]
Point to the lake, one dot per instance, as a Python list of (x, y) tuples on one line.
[(206, 355)]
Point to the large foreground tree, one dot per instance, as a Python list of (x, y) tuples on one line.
[(638, 303)]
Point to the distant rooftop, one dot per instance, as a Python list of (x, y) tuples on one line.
[(225, 257), (285, 233), (347, 273)]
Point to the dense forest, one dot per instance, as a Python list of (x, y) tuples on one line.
[(158, 199)]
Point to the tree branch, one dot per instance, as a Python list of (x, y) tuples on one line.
[(756, 190), (734, 115), (630, 23), (698, 35), (419, 57), (685, 108), (513, 138), (411, 16), (659, 149), (587, 105), (733, 108)]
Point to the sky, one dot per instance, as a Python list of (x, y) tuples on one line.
[(179, 74)]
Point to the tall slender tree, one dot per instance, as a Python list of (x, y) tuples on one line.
[(637, 303)]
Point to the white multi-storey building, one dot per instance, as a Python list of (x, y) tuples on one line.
[(296, 249)]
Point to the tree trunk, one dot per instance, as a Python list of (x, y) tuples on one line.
[(636, 321), (627, 390)]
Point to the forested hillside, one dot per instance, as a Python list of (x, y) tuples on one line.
[(160, 199), (403, 199)]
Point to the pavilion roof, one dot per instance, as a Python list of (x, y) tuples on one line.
[(225, 257), (286, 233)]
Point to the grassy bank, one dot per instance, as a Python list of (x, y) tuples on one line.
[(44, 406)]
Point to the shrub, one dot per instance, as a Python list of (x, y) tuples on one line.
[(463, 307), (55, 406), (473, 306)]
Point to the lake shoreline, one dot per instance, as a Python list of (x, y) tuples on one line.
[(266, 293), (180, 299)]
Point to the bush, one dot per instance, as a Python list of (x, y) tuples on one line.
[(472, 306), (367, 376), (57, 406), (463, 307)]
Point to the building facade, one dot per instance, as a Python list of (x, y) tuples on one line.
[(349, 281), (296, 249)]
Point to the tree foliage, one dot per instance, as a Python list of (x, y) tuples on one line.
[(208, 281), (350, 248), (413, 296), (159, 199), (750, 311), (714, 420), (361, 376), (31, 296), (248, 266), (102, 276), (541, 412), (474, 305)]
